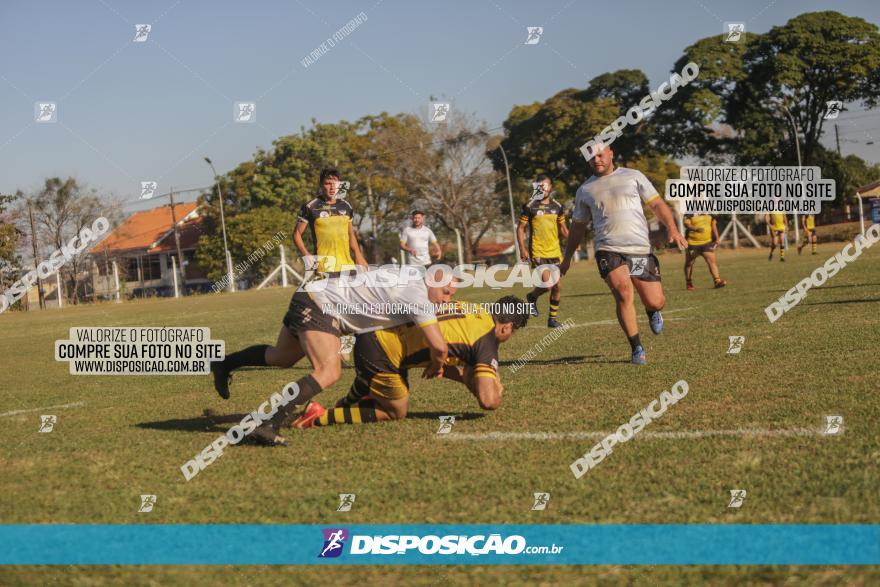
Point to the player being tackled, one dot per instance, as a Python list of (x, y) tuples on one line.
[(383, 358)]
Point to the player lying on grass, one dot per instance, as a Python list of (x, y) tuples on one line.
[(383, 358), (320, 313), (613, 198), (701, 232)]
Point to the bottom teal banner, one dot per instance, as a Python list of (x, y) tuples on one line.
[(293, 544)]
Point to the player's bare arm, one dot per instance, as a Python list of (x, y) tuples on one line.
[(664, 213), (439, 351), (573, 241), (298, 239), (356, 247), (521, 239)]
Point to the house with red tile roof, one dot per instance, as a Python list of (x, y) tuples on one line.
[(143, 247)]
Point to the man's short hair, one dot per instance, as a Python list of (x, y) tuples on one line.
[(329, 172), (414, 212), (511, 310), (542, 177)]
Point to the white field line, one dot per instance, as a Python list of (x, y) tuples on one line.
[(640, 318), (16, 412), (647, 435)]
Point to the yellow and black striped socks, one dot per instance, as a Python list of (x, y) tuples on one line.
[(359, 413), (813, 247), (554, 308)]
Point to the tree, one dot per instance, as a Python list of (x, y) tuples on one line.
[(813, 59), (10, 238), (61, 210), (248, 232), (454, 180)]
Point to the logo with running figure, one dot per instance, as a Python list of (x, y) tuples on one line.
[(733, 31), (141, 32), (46, 112), (439, 111), (541, 500), (534, 35), (334, 541), (833, 424), (737, 497), (446, 424), (833, 109), (148, 189), (637, 266), (735, 344), (47, 423), (245, 112), (147, 503), (346, 500)]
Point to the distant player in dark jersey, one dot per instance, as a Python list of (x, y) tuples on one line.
[(545, 219), (701, 232), (808, 221), (330, 221), (383, 358)]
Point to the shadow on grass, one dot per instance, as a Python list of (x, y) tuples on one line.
[(208, 422), (203, 423)]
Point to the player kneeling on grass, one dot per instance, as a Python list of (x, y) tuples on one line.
[(319, 314), (701, 232), (382, 359)]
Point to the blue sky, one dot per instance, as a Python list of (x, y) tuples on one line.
[(151, 111)]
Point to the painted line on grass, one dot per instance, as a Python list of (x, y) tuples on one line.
[(612, 321), (16, 412), (672, 435)]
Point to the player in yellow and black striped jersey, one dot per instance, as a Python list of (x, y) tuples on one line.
[(383, 358), (330, 221), (701, 232), (808, 222), (778, 225), (545, 219)]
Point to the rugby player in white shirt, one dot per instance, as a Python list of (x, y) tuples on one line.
[(419, 242), (613, 197)]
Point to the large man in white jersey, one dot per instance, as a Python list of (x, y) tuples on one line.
[(613, 197), (320, 312), (419, 242)]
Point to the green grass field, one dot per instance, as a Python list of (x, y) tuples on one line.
[(130, 435)]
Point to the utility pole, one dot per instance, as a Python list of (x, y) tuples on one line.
[(177, 242), (837, 138), (36, 257)]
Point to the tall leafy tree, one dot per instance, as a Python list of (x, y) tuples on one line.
[(802, 65), (62, 208)]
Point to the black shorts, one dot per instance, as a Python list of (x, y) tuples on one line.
[(304, 314), (644, 267), (375, 373), (697, 250), (536, 261)]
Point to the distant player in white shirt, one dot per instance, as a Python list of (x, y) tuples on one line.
[(613, 197), (419, 242)]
